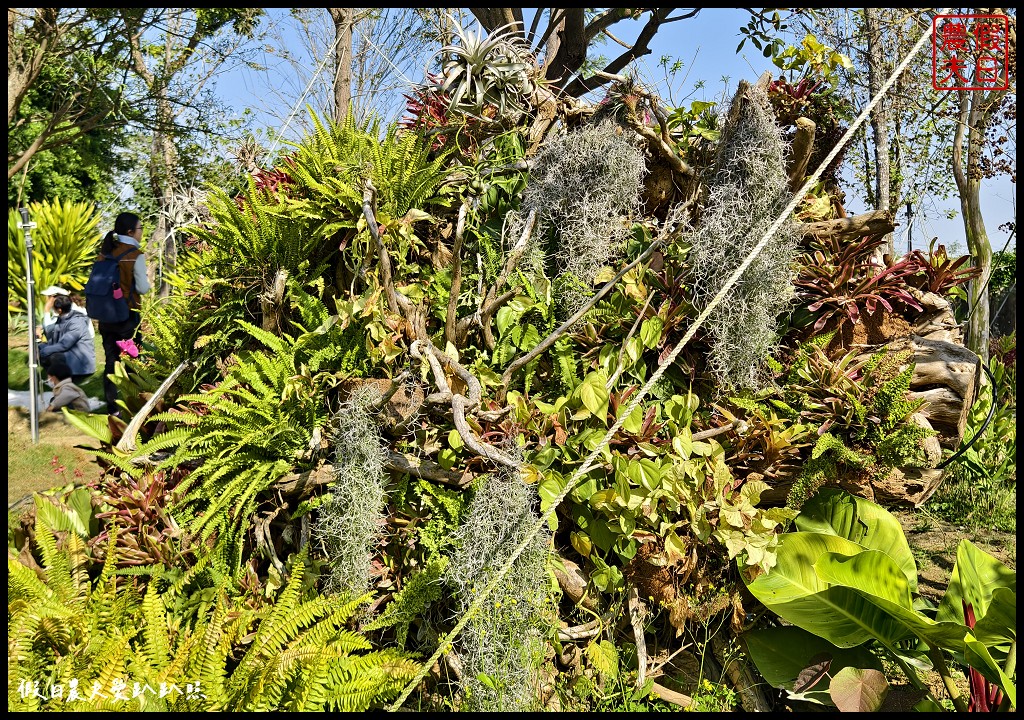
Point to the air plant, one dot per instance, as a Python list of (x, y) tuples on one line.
[(488, 76)]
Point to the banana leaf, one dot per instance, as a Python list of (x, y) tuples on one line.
[(869, 525)]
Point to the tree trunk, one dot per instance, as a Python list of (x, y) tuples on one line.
[(974, 119), (343, 18), (879, 118), (163, 186)]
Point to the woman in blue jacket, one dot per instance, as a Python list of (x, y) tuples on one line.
[(68, 339)]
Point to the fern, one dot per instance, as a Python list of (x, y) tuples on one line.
[(821, 468), (247, 432), (293, 654), (566, 367)]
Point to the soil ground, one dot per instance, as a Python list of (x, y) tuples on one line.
[(934, 543)]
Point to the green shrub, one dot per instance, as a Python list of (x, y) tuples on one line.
[(64, 244)]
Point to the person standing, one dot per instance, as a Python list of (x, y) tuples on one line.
[(68, 340), (124, 238)]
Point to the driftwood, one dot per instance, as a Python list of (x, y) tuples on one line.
[(802, 146), (876, 222), (304, 482), (947, 376), (937, 322), (671, 696), (426, 469), (573, 582), (743, 678)]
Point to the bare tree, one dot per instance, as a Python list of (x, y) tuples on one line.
[(175, 67), (344, 20), (879, 118), (371, 55), (562, 37)]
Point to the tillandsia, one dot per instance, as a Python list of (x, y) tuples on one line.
[(747, 192)]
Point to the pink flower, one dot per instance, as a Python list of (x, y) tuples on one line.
[(128, 347)]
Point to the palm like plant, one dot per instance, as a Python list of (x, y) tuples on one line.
[(64, 243)]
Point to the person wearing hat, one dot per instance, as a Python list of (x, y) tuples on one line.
[(65, 392), (68, 340), (50, 317)]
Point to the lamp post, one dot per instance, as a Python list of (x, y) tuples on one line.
[(33, 375)]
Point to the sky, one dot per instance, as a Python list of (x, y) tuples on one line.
[(711, 68)]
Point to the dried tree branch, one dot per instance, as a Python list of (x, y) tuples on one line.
[(636, 621), (304, 482), (581, 632), (876, 222), (453, 297), (460, 403), (426, 469), (396, 384), (516, 253), (802, 146), (369, 196), (752, 697), (660, 143), (127, 442)]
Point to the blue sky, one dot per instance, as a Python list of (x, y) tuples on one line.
[(706, 46)]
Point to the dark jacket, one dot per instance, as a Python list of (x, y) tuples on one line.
[(70, 335)]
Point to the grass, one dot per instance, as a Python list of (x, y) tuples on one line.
[(974, 503), (36, 466)]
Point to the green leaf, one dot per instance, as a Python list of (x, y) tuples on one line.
[(95, 426), (635, 421), (604, 657), (797, 593), (871, 526), (633, 349), (454, 440), (645, 473), (60, 518), (781, 669), (650, 331), (594, 395), (581, 543), (997, 628), (549, 488), (675, 548), (447, 458), (976, 576), (682, 443)]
